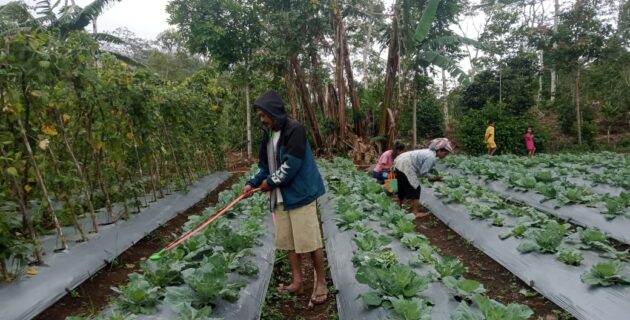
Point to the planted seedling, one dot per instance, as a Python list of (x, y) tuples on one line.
[(450, 266), (570, 257), (408, 309), (463, 288), (396, 281), (606, 274), (138, 295)]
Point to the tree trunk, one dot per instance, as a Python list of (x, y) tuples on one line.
[(306, 103), (540, 78), (366, 51), (291, 91), (42, 184), (445, 103), (339, 78), (354, 98), (248, 114), (414, 120), (578, 114), (554, 72), (390, 75)]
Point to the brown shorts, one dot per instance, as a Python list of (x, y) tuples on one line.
[(298, 229)]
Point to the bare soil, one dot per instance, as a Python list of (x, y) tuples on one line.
[(280, 306)]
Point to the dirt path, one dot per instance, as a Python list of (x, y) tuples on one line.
[(279, 306)]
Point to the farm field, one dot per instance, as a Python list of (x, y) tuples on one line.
[(146, 148)]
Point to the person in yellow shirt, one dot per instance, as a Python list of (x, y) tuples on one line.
[(489, 138)]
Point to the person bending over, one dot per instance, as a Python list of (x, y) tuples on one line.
[(411, 165)]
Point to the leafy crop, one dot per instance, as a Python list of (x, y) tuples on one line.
[(413, 241), (138, 295), (205, 284), (594, 239), (463, 288), (492, 310), (606, 274), (347, 218), (410, 309), (163, 272), (450, 266), (187, 312), (395, 281), (570, 257), (517, 232), (546, 240)]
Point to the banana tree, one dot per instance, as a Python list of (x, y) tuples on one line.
[(412, 49)]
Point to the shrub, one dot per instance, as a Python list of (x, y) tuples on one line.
[(510, 130)]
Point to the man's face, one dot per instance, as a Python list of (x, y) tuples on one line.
[(264, 119)]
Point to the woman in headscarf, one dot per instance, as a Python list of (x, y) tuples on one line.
[(411, 165)]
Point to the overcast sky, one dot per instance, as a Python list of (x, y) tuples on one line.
[(145, 18), (148, 18)]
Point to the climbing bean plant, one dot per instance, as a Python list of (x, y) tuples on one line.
[(81, 131)]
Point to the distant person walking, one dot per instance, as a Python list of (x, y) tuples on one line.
[(529, 142), (489, 138)]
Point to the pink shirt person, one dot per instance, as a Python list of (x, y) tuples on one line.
[(529, 141), (385, 161)]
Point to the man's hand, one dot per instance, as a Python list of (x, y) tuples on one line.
[(247, 191), (265, 186)]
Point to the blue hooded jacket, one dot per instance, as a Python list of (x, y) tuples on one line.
[(297, 175)]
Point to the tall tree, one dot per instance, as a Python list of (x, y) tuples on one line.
[(228, 31), (581, 37)]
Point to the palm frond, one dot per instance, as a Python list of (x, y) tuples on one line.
[(43, 7), (124, 58), (426, 21), (15, 17), (442, 41), (106, 37), (15, 11), (441, 61), (90, 12), (66, 19)]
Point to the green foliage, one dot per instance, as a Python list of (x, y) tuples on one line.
[(410, 309), (396, 281), (606, 274), (493, 310), (163, 272), (463, 288), (138, 295), (513, 85), (509, 130), (546, 240), (450, 266), (570, 257)]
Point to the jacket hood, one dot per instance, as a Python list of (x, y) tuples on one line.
[(271, 104)]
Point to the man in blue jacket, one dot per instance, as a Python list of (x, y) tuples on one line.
[(287, 169)]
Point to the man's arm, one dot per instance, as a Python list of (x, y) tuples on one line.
[(263, 169)]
